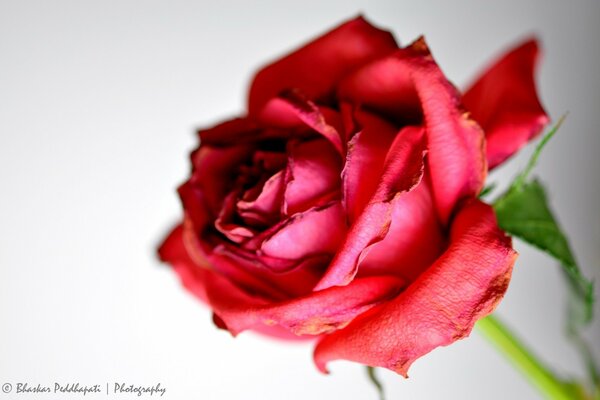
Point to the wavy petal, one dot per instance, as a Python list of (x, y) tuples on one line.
[(440, 307), (384, 85), (313, 175), (213, 168), (409, 88), (268, 277), (365, 161), (310, 314), (455, 143), (292, 111), (504, 101), (413, 242), (225, 221), (403, 169), (228, 132), (316, 231), (196, 206), (316, 68), (313, 314), (195, 278), (263, 208), (173, 251)]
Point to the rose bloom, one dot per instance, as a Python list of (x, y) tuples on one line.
[(343, 206)]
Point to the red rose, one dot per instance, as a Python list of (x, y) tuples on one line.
[(344, 206)]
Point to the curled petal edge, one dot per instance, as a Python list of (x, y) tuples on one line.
[(441, 306)]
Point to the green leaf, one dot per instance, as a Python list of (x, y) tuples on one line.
[(523, 211), (487, 190), (376, 382)]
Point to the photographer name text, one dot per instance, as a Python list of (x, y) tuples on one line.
[(115, 388)]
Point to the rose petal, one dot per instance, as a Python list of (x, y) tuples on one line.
[(316, 231), (172, 251), (413, 242), (213, 169), (224, 222), (455, 143), (228, 132), (316, 68), (278, 279), (240, 131), (365, 161), (205, 251), (440, 307), (313, 314), (313, 175), (273, 331), (292, 111), (194, 279), (265, 207), (195, 205), (504, 101), (403, 169), (347, 117), (308, 313), (384, 85), (409, 79)]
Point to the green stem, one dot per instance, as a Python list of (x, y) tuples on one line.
[(376, 382), (523, 359)]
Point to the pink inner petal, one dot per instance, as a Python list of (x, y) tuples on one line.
[(402, 172), (224, 223), (285, 278), (313, 176), (316, 231), (413, 242), (365, 161), (266, 205)]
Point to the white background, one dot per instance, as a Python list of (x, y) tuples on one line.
[(98, 105)]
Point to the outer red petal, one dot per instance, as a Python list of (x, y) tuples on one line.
[(505, 103), (316, 68), (172, 250), (384, 85), (313, 314), (455, 143), (195, 279), (240, 131), (212, 171), (408, 87), (440, 307), (225, 133)]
